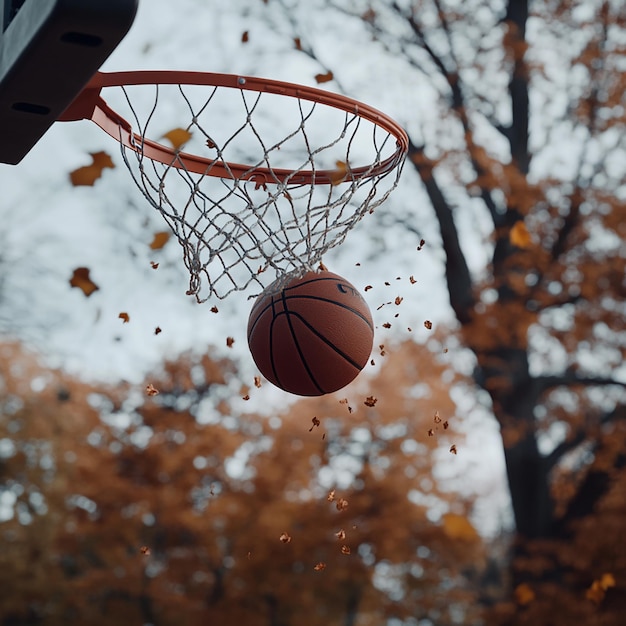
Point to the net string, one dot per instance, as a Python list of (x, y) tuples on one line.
[(244, 233)]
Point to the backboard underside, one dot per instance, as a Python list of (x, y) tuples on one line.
[(49, 49)]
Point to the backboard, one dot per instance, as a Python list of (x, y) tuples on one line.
[(49, 49)]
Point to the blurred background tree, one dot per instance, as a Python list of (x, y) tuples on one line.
[(171, 508), (525, 137)]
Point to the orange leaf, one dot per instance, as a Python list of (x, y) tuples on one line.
[(89, 174), (125, 317), (159, 240), (340, 174), (178, 137), (81, 280), (519, 235), (324, 78), (459, 527), (524, 594), (245, 36)]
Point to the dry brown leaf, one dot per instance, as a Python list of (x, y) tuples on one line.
[(370, 401), (124, 317), (285, 538), (428, 325), (81, 280), (89, 174), (340, 174), (159, 240), (342, 504), (324, 78), (319, 567), (151, 390), (178, 137)]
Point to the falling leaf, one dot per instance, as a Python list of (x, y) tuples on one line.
[(214, 309), (519, 235), (398, 301), (246, 397), (524, 595), (412, 279), (331, 495), (81, 280), (428, 325), (316, 422), (297, 42), (445, 425), (229, 342), (178, 137), (340, 174), (598, 588), (151, 390), (422, 244), (386, 325), (159, 240), (319, 567), (370, 401), (145, 550), (436, 418), (458, 527), (285, 538), (157, 330), (210, 144), (342, 504), (341, 535), (324, 78), (125, 317), (155, 266), (368, 287), (257, 382), (89, 174), (453, 448), (345, 549), (245, 36)]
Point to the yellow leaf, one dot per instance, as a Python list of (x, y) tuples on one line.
[(159, 240), (459, 527), (81, 280), (524, 594), (89, 174), (178, 137), (519, 235)]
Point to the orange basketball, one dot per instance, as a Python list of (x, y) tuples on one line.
[(312, 337)]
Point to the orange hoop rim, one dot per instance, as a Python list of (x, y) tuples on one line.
[(90, 105)]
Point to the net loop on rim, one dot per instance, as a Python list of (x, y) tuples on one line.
[(257, 179)]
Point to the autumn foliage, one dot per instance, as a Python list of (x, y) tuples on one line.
[(174, 508)]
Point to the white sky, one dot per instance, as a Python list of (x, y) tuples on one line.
[(51, 227)]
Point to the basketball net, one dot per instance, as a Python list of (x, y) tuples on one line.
[(313, 171)]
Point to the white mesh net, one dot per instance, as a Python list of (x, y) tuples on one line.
[(244, 227)]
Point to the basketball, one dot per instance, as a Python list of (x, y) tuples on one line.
[(313, 336)]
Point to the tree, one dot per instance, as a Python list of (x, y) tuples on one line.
[(526, 133), (173, 508)]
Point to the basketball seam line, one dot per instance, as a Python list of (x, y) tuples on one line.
[(320, 336), (305, 297), (295, 340)]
